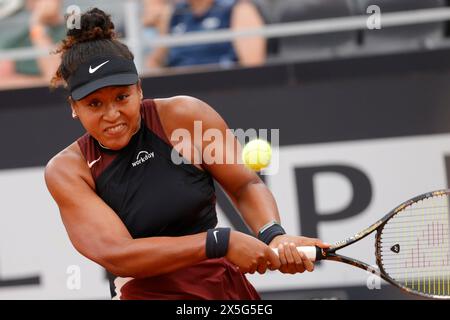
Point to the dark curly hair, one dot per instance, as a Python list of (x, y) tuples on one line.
[(95, 37)]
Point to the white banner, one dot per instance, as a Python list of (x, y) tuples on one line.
[(33, 240)]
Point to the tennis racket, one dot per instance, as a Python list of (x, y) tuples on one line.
[(411, 246)]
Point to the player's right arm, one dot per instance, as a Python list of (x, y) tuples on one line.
[(97, 232)]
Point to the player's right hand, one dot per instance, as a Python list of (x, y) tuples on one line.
[(250, 254)]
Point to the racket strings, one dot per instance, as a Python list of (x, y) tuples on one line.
[(415, 246)]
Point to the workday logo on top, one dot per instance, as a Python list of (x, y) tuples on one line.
[(141, 157)]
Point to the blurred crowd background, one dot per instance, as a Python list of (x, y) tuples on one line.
[(39, 24), (362, 115)]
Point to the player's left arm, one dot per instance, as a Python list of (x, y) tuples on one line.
[(247, 191)]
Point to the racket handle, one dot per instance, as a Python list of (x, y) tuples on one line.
[(313, 253)]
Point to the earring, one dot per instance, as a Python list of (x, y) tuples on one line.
[(74, 115)]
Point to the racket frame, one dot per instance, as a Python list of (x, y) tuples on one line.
[(330, 253)]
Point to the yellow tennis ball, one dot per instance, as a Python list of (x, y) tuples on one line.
[(257, 154)]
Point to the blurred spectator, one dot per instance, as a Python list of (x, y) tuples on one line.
[(9, 7), (44, 28), (155, 15), (208, 15)]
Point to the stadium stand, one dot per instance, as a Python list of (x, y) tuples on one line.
[(321, 45), (402, 38)]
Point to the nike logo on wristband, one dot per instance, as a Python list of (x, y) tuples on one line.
[(215, 235), (92, 70)]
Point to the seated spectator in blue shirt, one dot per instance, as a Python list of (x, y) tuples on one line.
[(210, 15)]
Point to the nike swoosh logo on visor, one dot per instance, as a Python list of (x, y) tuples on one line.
[(215, 234), (92, 70)]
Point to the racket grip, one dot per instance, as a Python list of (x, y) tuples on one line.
[(313, 253)]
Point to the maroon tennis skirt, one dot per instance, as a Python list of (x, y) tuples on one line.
[(213, 279)]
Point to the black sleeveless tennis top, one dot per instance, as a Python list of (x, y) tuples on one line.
[(151, 194)]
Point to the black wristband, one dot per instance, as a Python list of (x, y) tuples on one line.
[(267, 235), (217, 242)]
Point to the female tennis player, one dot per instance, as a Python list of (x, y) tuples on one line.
[(127, 206)]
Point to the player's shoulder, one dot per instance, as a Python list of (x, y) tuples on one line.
[(65, 164), (69, 155)]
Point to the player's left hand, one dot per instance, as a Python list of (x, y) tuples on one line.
[(291, 260)]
